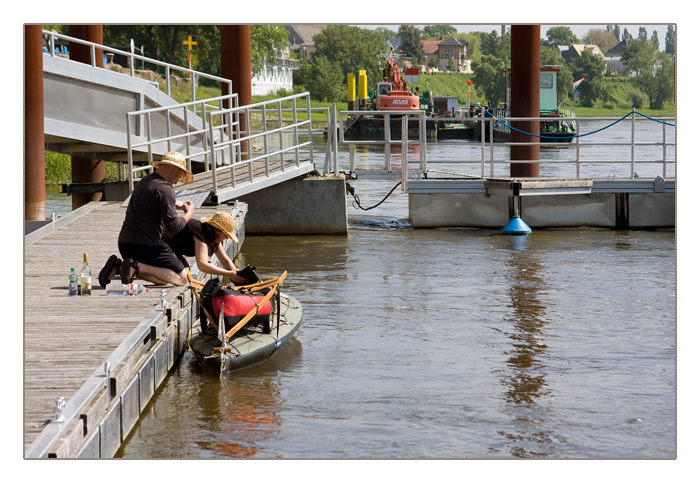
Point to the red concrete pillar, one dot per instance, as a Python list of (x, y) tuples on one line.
[(525, 97), (236, 65), (86, 170), (34, 171)]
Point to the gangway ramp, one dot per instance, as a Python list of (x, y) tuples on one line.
[(274, 145), (85, 110)]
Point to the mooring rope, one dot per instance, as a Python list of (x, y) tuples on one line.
[(577, 135)]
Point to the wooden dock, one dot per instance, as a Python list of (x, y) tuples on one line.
[(67, 339)]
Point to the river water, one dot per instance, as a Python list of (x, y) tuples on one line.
[(444, 343)]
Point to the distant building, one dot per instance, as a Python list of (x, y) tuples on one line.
[(614, 57), (444, 50), (573, 51), (277, 74), (394, 43), (301, 38)]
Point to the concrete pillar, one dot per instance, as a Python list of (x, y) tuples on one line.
[(236, 65), (34, 176), (86, 170), (525, 97)]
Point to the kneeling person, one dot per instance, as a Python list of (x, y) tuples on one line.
[(202, 239), (151, 214)]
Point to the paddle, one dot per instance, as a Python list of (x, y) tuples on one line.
[(254, 311)]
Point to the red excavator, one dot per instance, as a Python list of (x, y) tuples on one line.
[(393, 94)]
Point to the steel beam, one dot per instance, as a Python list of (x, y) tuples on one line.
[(236, 65), (86, 170), (34, 171), (525, 95)]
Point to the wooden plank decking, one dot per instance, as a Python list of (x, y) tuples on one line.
[(67, 338)]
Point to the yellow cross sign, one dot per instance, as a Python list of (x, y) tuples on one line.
[(189, 43)]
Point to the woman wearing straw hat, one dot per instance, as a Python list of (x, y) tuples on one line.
[(202, 239), (151, 213)]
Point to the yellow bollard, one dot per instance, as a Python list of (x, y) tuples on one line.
[(351, 91)]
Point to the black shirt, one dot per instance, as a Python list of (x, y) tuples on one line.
[(151, 212), (182, 242)]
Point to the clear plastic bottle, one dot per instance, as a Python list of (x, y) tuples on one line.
[(85, 277), (118, 288), (72, 283)]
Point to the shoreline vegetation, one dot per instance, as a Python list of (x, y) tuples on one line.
[(58, 167)]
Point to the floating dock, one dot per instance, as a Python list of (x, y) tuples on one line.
[(104, 355), (373, 128)]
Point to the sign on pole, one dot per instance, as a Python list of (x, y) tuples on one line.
[(190, 43), (412, 74)]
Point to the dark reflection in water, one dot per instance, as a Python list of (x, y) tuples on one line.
[(525, 376)]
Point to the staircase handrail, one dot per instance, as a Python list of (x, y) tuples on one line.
[(133, 57), (206, 107)]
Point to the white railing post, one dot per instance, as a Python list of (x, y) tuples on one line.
[(632, 141), (387, 141), (129, 154), (578, 149), (214, 182), (483, 143), (404, 151)]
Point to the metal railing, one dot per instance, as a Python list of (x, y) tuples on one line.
[(478, 159), (174, 131), (575, 140), (409, 120), (281, 140), (169, 68)]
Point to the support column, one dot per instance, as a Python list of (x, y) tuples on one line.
[(236, 65), (34, 170), (86, 170), (525, 97)]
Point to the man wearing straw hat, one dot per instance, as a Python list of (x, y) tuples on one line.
[(151, 213)]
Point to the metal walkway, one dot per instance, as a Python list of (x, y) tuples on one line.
[(122, 118)]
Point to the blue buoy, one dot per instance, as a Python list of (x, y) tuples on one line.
[(516, 226)]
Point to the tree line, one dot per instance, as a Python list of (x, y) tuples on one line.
[(649, 80), (343, 49)]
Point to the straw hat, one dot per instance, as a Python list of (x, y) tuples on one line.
[(224, 222), (173, 158)]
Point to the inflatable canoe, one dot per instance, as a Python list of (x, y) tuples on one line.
[(265, 321)]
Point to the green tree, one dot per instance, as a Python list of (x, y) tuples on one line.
[(652, 71), (489, 79), (592, 68), (560, 36), (495, 45), (265, 43), (324, 79), (615, 30), (670, 40), (341, 49), (352, 48), (602, 38), (411, 43), (435, 31), (385, 32)]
